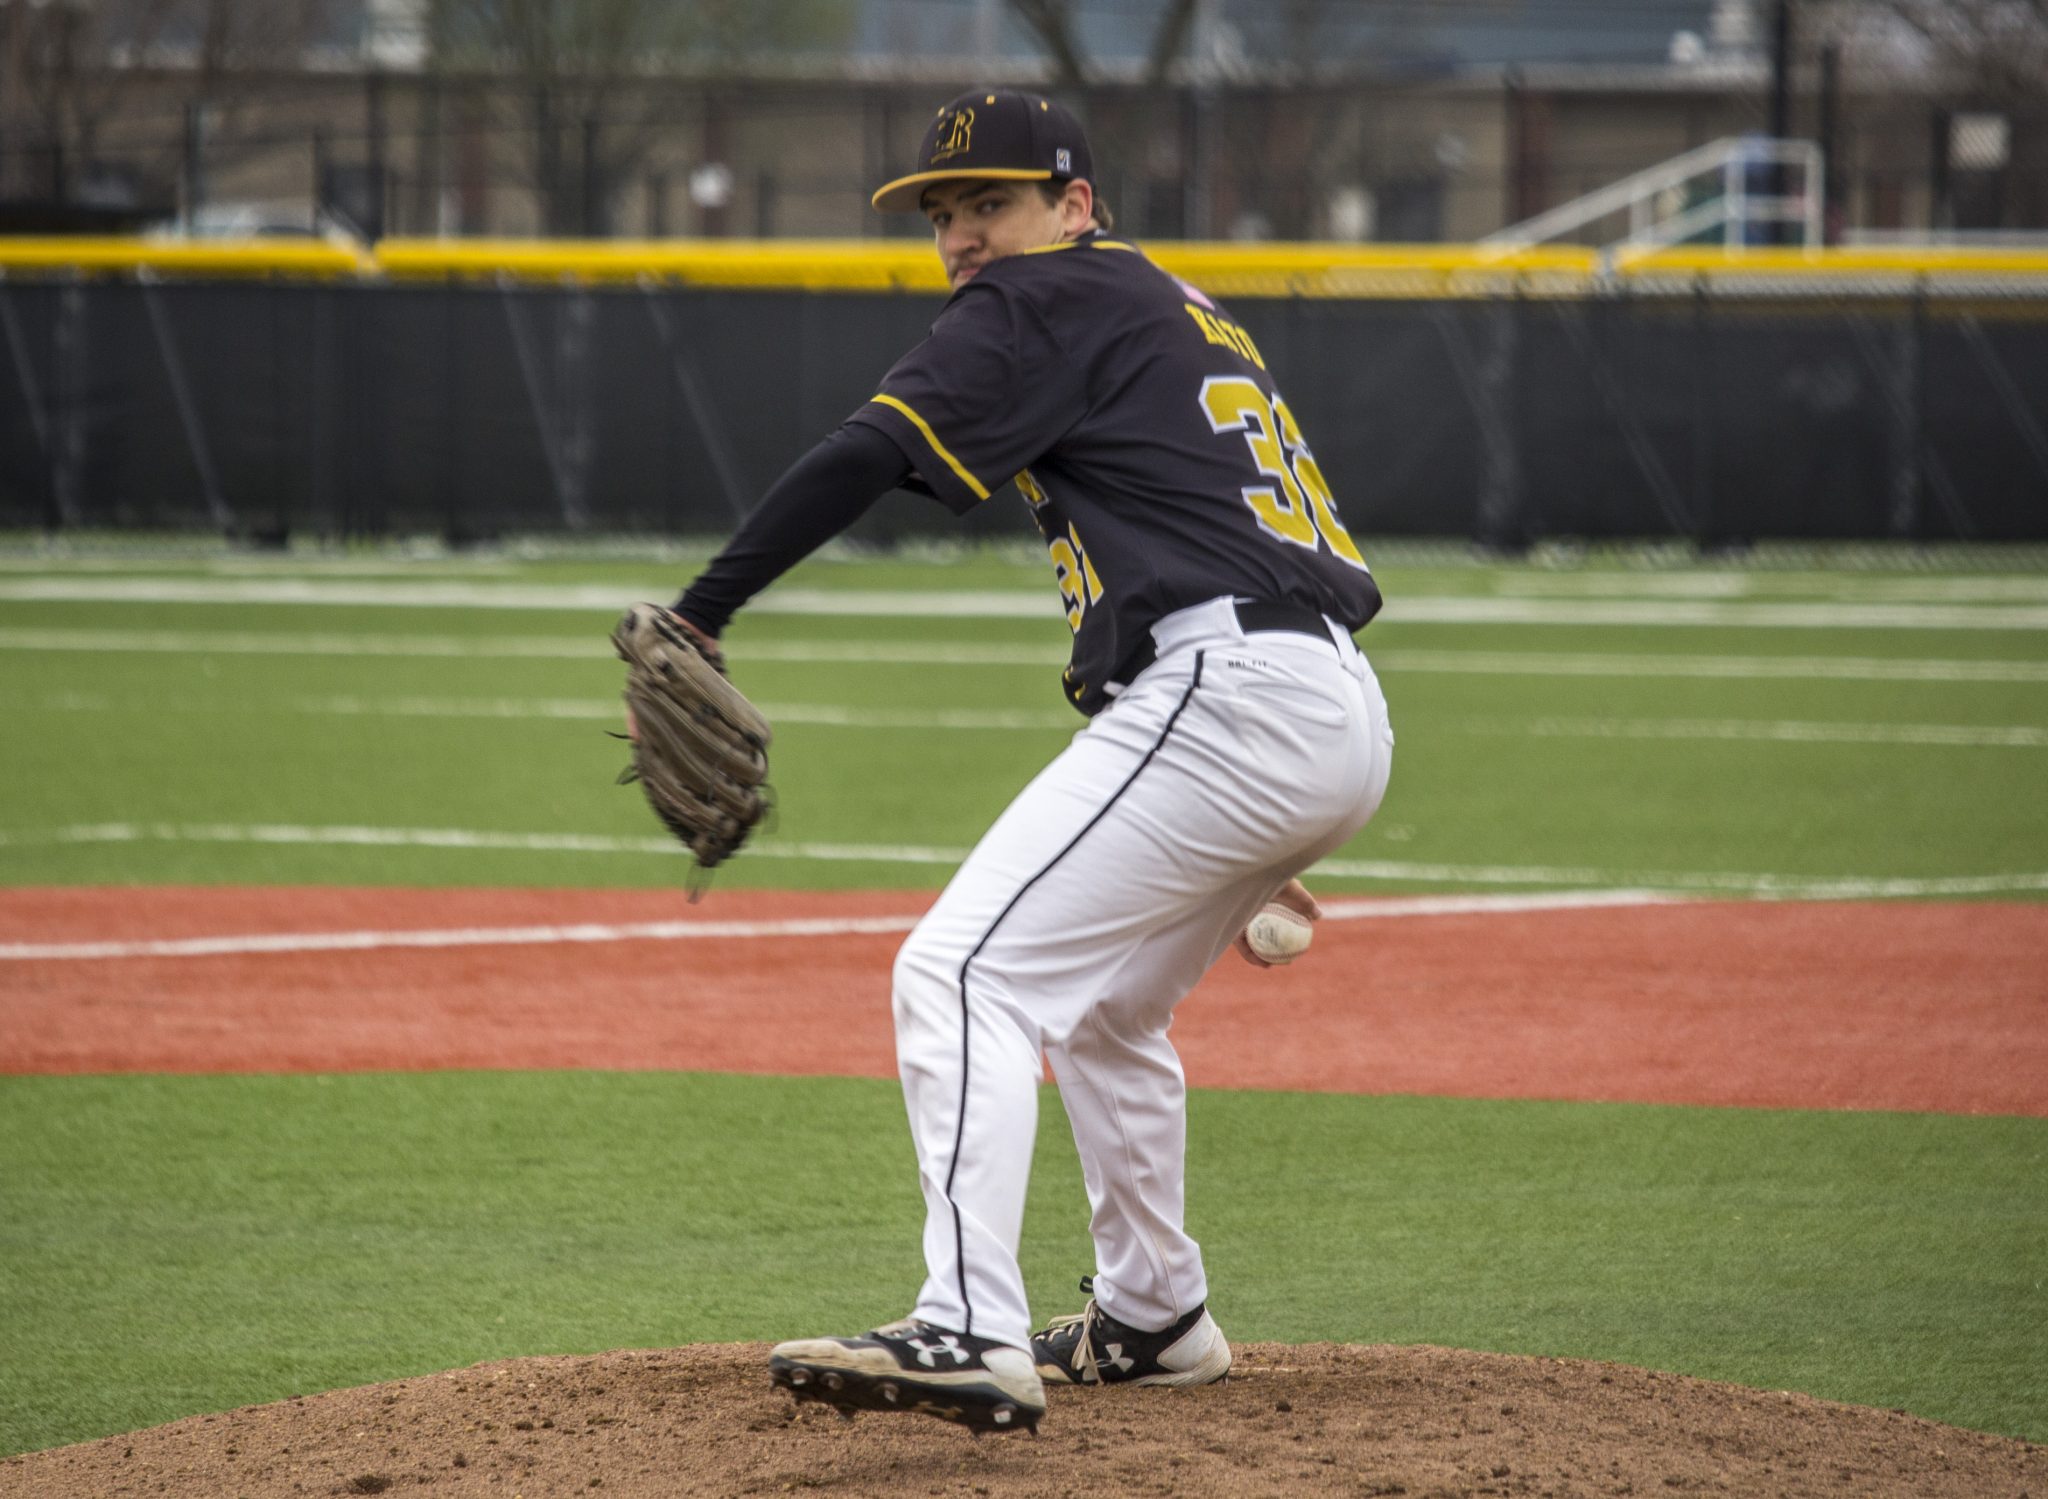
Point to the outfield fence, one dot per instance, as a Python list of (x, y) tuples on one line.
[(478, 389)]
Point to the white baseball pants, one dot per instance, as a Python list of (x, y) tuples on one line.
[(1095, 903)]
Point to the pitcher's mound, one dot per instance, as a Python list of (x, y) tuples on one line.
[(1311, 1419)]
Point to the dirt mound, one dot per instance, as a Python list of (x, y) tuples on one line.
[(1310, 1419)]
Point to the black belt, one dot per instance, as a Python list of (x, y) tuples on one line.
[(1252, 615), (1298, 619)]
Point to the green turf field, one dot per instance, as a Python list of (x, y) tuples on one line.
[(182, 1244), (174, 1245), (443, 722)]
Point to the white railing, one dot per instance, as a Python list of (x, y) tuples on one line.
[(1729, 213)]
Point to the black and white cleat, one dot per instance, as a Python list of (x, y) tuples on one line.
[(910, 1366)]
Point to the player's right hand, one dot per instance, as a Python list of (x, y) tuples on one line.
[(1293, 895)]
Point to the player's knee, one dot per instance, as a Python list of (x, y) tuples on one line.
[(925, 983)]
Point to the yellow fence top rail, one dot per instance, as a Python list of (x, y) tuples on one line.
[(234, 258), (806, 264), (1341, 270), (1842, 261), (911, 265), (908, 265)]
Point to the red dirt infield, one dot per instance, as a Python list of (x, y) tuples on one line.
[(1935, 1007)]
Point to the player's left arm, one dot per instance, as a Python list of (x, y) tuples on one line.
[(823, 493)]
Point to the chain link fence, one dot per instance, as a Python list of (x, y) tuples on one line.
[(1712, 408)]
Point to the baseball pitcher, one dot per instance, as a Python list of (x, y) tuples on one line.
[(1235, 735)]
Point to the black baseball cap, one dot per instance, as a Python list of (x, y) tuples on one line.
[(995, 133)]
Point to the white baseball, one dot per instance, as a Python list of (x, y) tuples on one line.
[(1278, 935)]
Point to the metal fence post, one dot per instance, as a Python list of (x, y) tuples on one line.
[(594, 217), (319, 315), (194, 161), (273, 294), (1501, 518), (1919, 379), (573, 401), (452, 410), (186, 400), (1489, 382), (31, 397), (1705, 387), (68, 359), (1909, 478), (682, 370)]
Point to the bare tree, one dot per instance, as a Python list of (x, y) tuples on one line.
[(75, 68), (1955, 58), (60, 85), (1132, 134), (1994, 50), (1172, 113), (587, 76), (1052, 23), (239, 52)]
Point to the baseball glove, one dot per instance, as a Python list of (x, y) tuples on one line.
[(700, 749)]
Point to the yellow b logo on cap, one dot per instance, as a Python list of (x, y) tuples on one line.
[(955, 136)]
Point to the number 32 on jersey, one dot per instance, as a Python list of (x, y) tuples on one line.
[(1301, 509)]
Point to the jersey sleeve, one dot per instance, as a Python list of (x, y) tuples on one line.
[(823, 493), (988, 392)]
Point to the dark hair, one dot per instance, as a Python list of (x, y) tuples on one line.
[(1057, 189)]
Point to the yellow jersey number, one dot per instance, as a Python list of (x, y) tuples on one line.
[(1075, 574), (1301, 509), (1071, 569)]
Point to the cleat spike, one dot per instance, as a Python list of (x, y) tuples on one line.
[(890, 1392), (834, 1381), (799, 1377)]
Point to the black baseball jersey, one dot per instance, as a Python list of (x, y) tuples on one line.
[(1140, 422)]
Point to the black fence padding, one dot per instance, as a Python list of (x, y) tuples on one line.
[(473, 410)]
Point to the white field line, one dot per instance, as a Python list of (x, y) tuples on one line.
[(1017, 603), (1775, 886), (1671, 585), (830, 715), (603, 710), (1459, 905), (2011, 588), (2008, 736), (1007, 720), (463, 839), (242, 643), (778, 713), (272, 567), (348, 593), (687, 931), (537, 647), (1692, 583), (527, 936), (910, 653), (1760, 886), (1752, 614), (1783, 731), (1595, 664)]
